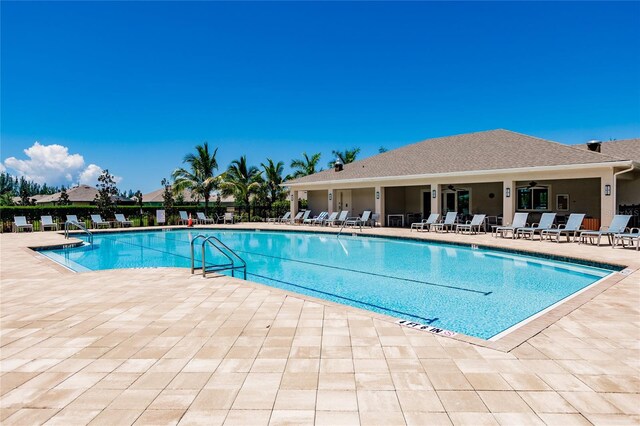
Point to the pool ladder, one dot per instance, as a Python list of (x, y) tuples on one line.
[(80, 227), (221, 247)]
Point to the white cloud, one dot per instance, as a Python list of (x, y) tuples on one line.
[(53, 165)]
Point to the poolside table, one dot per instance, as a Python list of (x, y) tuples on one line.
[(401, 216)]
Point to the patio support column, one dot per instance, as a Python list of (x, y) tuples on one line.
[(435, 201), (607, 202), (508, 201), (293, 203), (379, 204), (330, 201)]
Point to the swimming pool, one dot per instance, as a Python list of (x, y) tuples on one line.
[(477, 292)]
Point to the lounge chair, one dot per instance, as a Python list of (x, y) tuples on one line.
[(472, 226), (47, 222), (332, 217), (546, 222), (617, 226), (340, 219), (319, 220), (20, 224), (519, 221), (184, 218), (631, 236), (203, 219), (296, 218), (122, 221), (359, 221), (447, 225), (570, 229), (311, 220), (228, 217), (433, 218), (304, 217), (284, 217), (97, 222), (73, 219)]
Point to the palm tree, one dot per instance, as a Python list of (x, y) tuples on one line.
[(201, 179), (241, 180), (306, 166), (273, 178), (347, 156)]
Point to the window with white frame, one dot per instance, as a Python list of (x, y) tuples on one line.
[(533, 198)]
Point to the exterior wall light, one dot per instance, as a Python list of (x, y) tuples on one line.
[(330, 196), (607, 190), (377, 195), (507, 192), (434, 194)]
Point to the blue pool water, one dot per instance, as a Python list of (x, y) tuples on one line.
[(471, 291)]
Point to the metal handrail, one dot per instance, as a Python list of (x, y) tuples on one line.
[(224, 250), (344, 224), (79, 226)]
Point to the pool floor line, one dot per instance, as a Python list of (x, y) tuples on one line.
[(427, 320)]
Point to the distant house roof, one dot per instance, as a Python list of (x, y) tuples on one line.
[(480, 151), (18, 200), (626, 149), (156, 197), (78, 194)]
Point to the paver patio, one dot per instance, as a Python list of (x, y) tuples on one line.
[(159, 346)]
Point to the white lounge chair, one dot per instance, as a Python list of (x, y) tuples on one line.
[(618, 226), (333, 216), (570, 229), (310, 220), (20, 224), (318, 220), (340, 219), (97, 222), (73, 219), (203, 219), (122, 221), (359, 221), (229, 217), (433, 218), (519, 221), (297, 217), (47, 222), (184, 218), (447, 225), (286, 216), (304, 217), (631, 236), (546, 222), (472, 226)]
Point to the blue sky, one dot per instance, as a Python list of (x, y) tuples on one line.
[(132, 87)]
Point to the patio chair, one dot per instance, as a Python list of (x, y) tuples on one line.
[(311, 220), (519, 221), (228, 217), (359, 221), (203, 219), (122, 221), (570, 229), (297, 217), (546, 222), (447, 225), (319, 220), (433, 218), (97, 222), (184, 218), (20, 224), (333, 216), (286, 216), (47, 222), (73, 219), (631, 236), (473, 226), (617, 226), (340, 219), (304, 217)]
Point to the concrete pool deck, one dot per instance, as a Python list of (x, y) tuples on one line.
[(159, 346)]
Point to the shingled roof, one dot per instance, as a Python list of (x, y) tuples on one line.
[(78, 194), (488, 150), (156, 197), (626, 149)]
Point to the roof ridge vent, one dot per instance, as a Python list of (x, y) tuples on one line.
[(594, 145)]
